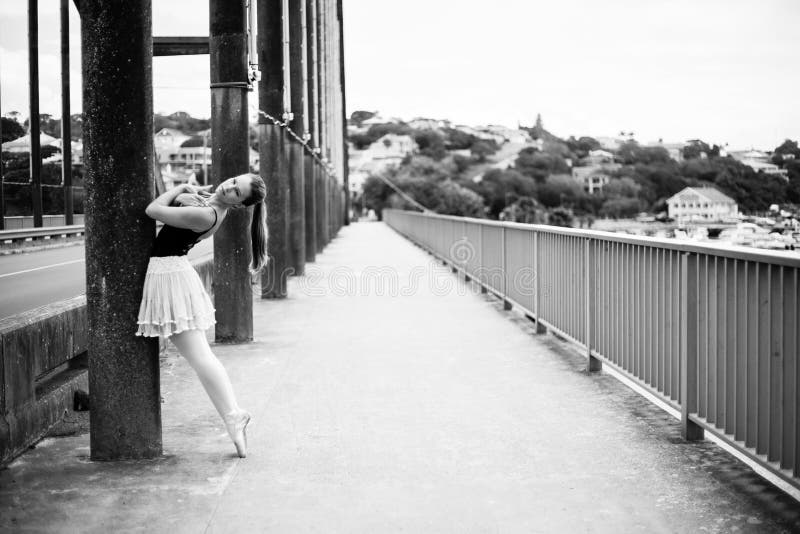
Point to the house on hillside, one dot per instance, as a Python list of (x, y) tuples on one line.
[(598, 157), (609, 143), (167, 143), (701, 204), (675, 150), (23, 144), (421, 123), (593, 177), (385, 152), (759, 162)]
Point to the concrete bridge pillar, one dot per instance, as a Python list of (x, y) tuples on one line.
[(233, 296), (297, 74), (118, 138), (272, 149)]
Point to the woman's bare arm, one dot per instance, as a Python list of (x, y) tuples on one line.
[(193, 218)]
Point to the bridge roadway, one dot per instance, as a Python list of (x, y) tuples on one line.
[(426, 408), (32, 279)]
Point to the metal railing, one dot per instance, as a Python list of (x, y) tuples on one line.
[(711, 331), (48, 232)]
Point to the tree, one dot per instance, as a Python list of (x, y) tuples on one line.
[(582, 146), (787, 148), (525, 210), (11, 129), (462, 163), (430, 144), (793, 187), (631, 153), (560, 217), (621, 207), (359, 116), (499, 188), (559, 190), (624, 187), (480, 150), (539, 165)]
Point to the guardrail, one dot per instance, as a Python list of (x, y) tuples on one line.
[(48, 232), (711, 331), (18, 222), (42, 362)]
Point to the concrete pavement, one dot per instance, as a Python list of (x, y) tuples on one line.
[(390, 397)]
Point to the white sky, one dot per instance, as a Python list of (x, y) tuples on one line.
[(719, 70)]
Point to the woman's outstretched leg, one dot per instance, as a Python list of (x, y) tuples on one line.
[(193, 346)]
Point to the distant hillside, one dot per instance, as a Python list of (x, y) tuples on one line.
[(180, 120)]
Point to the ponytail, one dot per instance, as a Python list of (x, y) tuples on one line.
[(258, 236)]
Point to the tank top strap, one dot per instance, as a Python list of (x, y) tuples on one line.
[(215, 220)]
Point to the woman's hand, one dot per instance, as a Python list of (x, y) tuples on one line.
[(204, 190)]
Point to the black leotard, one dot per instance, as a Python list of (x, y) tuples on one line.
[(173, 241)]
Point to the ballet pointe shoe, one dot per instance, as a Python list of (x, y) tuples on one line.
[(236, 424)]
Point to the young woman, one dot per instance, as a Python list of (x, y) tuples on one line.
[(174, 303)]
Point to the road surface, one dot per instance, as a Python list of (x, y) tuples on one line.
[(34, 279)]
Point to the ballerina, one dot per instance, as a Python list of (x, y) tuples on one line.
[(175, 304)]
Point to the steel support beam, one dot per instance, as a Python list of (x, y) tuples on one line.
[(33, 94), (180, 46), (233, 297), (123, 368), (66, 123)]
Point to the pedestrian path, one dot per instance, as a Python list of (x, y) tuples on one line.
[(388, 396)]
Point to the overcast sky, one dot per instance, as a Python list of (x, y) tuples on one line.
[(721, 70)]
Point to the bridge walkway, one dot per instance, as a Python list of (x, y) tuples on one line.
[(389, 396)]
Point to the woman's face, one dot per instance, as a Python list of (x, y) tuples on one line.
[(234, 191)]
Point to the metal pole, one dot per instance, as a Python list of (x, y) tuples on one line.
[(345, 147), (66, 126), (311, 107), (272, 169), (123, 368), (233, 298), (297, 192), (205, 159), (33, 71)]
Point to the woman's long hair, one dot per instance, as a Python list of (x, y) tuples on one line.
[(258, 224)]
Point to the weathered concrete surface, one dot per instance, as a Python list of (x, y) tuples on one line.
[(116, 52), (426, 409)]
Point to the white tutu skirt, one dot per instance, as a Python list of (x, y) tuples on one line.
[(173, 299)]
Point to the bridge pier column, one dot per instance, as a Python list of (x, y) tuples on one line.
[(118, 135), (298, 125), (272, 148), (233, 296)]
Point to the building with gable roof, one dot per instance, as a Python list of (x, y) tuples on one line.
[(701, 204)]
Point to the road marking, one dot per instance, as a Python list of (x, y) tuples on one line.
[(41, 268)]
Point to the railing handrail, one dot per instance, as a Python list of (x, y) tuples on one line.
[(43, 231), (778, 257)]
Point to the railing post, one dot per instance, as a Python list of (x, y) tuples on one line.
[(589, 260), (484, 289), (506, 302), (690, 430), (540, 329)]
